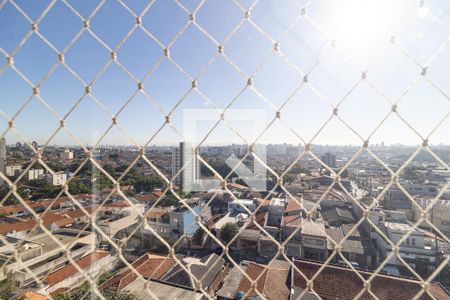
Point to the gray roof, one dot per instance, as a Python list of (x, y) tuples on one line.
[(313, 228), (353, 243), (337, 213), (231, 282), (161, 291), (205, 270), (296, 292)]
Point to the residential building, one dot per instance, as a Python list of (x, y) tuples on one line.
[(438, 215), (425, 189), (183, 221), (329, 159), (420, 249), (35, 174), (276, 210), (117, 219), (272, 281), (144, 290), (150, 266), (13, 170), (41, 253), (66, 155), (355, 248), (396, 199), (237, 206), (57, 179), (23, 225), (158, 221), (205, 270), (69, 276), (185, 161), (336, 282), (314, 240)]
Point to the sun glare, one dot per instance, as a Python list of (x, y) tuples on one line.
[(363, 27)]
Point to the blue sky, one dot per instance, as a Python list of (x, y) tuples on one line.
[(361, 40)]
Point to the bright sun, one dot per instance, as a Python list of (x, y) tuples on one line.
[(362, 27)]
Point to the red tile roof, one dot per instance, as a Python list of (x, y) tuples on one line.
[(157, 212), (292, 221), (260, 218), (70, 270), (146, 197), (32, 204), (293, 205), (335, 282), (117, 204), (272, 281), (48, 219), (150, 266), (19, 226)]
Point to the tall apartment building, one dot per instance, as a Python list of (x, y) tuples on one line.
[(59, 178), (13, 170), (329, 159), (2, 158), (184, 156), (66, 155), (35, 174)]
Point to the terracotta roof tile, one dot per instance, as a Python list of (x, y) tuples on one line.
[(157, 212), (272, 281), (18, 226), (70, 270), (294, 220), (150, 266), (335, 282), (117, 204)]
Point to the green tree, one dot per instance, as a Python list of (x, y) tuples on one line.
[(11, 200), (116, 294), (5, 291), (105, 276), (198, 236), (228, 231)]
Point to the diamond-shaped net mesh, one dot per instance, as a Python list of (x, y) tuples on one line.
[(294, 59)]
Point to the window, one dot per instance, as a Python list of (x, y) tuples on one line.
[(413, 241), (407, 242)]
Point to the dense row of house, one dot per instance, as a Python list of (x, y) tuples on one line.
[(281, 243)]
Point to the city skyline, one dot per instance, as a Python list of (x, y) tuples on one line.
[(224, 149)]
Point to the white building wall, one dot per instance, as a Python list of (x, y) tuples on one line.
[(35, 174)]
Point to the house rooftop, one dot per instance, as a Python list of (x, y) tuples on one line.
[(271, 280), (150, 289), (277, 202), (334, 282), (157, 212), (70, 270), (400, 227), (243, 201), (205, 270), (150, 266), (64, 236), (313, 228)]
